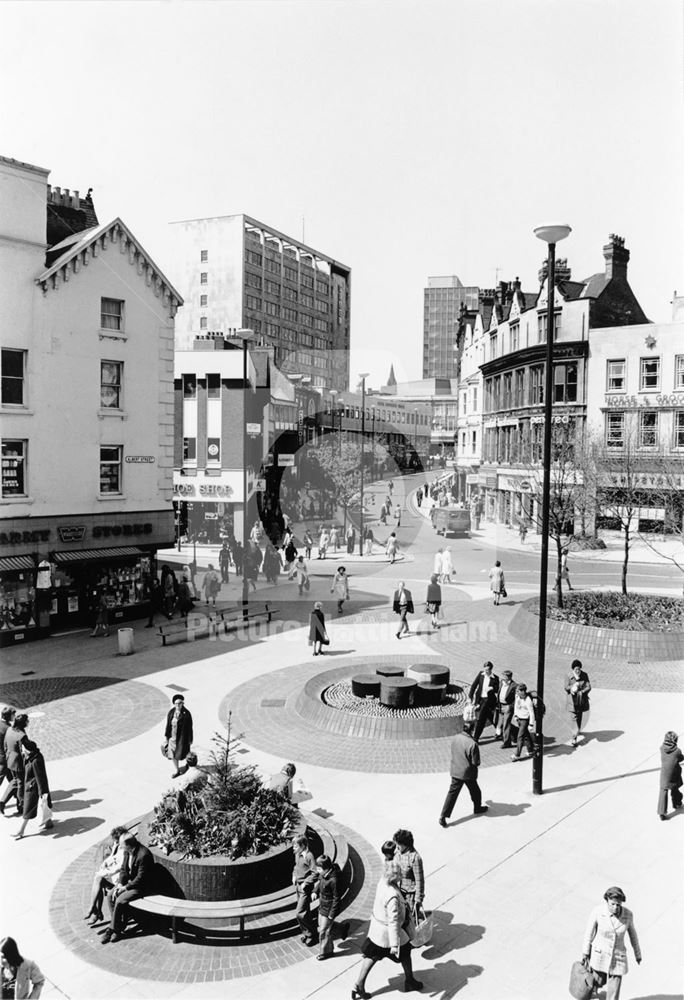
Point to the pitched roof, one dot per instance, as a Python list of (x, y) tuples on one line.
[(594, 285), (571, 289), (78, 248)]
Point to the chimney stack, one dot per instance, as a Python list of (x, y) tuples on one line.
[(616, 257)]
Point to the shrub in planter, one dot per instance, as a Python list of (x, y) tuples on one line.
[(229, 814), (586, 542), (628, 612)]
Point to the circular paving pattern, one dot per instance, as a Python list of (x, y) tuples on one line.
[(69, 716), (147, 952), (340, 697)]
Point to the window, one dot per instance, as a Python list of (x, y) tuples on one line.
[(272, 308), (273, 266), (475, 397), (515, 336), (322, 287), (493, 346), (252, 257), (290, 293), (189, 386), (679, 371), (13, 365), (321, 306), (679, 429), (272, 329), (536, 384), (273, 287), (648, 429), (615, 430), (254, 302), (110, 468), (204, 256), (565, 383), (214, 450), (14, 468), (189, 449), (291, 273), (254, 280), (306, 300), (541, 327), (306, 280), (290, 314), (649, 374), (204, 278), (474, 442), (615, 375), (305, 320), (203, 300), (520, 387), (203, 322), (213, 385), (111, 314), (110, 384)]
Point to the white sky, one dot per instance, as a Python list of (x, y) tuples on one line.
[(416, 139)]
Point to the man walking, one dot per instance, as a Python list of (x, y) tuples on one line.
[(402, 605), (484, 692), (506, 705), (224, 562), (465, 761)]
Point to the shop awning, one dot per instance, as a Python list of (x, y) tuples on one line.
[(16, 562), (113, 553)]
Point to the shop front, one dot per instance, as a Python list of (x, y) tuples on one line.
[(208, 504), (54, 571)]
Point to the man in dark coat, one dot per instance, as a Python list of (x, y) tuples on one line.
[(224, 562), (134, 881), (156, 599), (671, 758), (6, 719), (402, 605), (484, 694), (506, 705), (465, 762), (178, 733), (15, 761)]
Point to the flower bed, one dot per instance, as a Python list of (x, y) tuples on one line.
[(613, 610)]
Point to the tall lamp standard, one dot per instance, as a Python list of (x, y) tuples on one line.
[(550, 235), (363, 376), (333, 396)]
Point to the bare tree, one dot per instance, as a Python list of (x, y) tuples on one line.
[(619, 489), (664, 483)]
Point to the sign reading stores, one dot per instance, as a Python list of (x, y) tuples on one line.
[(75, 533)]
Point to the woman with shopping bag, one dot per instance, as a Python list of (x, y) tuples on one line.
[(36, 789)]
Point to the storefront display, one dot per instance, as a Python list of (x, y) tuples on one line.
[(77, 587), (17, 600)]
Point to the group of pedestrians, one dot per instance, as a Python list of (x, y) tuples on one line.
[(22, 766)]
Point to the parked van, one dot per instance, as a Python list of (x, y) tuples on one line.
[(450, 520)]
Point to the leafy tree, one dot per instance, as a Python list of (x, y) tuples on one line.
[(340, 463)]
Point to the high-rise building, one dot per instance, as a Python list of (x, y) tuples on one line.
[(443, 299), (235, 272)]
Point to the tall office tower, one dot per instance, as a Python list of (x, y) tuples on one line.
[(443, 299), (236, 272)]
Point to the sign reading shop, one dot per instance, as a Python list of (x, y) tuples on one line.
[(203, 490)]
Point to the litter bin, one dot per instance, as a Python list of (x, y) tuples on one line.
[(126, 641)]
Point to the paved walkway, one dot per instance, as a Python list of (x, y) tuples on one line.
[(510, 890)]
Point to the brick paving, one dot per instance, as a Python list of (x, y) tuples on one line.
[(71, 714), (149, 954)]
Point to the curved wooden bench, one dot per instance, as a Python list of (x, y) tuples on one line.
[(397, 692), (390, 671), (430, 673), (429, 694), (180, 911), (365, 685)]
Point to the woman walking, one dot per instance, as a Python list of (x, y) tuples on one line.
[(334, 543), (387, 937), (523, 717), (211, 585), (351, 539), (565, 572), (410, 866), (318, 637), (437, 565), (178, 733), (107, 875), (290, 557), (272, 565), (102, 618), (36, 789), (433, 599), (391, 548), (447, 566), (368, 539), (340, 588), (308, 544), (604, 948), (671, 758), (301, 572), (21, 977), (497, 584), (323, 542), (577, 688)]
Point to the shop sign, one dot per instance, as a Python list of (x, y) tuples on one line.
[(71, 533), (226, 486), (490, 482), (286, 461), (645, 402), (652, 480), (209, 515), (119, 530), (254, 430), (525, 486), (24, 537), (140, 459), (472, 478), (260, 485)]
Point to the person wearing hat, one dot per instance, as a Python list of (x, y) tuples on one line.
[(671, 758), (605, 949), (506, 704)]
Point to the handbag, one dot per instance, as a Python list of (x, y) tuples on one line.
[(504, 592), (581, 981), (164, 749), (325, 641), (469, 712), (421, 928)]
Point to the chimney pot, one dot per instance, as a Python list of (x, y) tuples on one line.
[(616, 257)]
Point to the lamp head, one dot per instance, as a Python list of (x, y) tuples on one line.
[(552, 234)]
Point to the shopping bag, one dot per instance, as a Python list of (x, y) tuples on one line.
[(422, 928), (301, 793), (45, 809), (469, 712), (581, 981)]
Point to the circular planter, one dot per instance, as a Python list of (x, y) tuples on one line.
[(386, 671), (430, 673), (429, 694), (366, 685), (220, 878), (397, 692)]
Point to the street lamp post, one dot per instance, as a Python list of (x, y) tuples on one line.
[(551, 235), (363, 376), (333, 395)]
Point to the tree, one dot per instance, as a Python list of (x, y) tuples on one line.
[(664, 483), (619, 489), (340, 463)]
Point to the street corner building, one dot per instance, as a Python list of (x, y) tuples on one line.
[(87, 410)]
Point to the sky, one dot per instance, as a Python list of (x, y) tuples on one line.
[(403, 139)]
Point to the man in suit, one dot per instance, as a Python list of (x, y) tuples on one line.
[(402, 605), (134, 881), (484, 693), (14, 737), (465, 762), (506, 700), (6, 719)]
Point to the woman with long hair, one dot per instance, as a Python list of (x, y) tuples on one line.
[(21, 977), (107, 875)]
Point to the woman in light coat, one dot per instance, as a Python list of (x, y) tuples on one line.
[(447, 565), (334, 539), (387, 937), (323, 542), (604, 946), (340, 588), (391, 547), (437, 566), (497, 584), (301, 572), (21, 978)]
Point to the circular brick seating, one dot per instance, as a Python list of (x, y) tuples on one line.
[(387, 671), (429, 694), (365, 685), (430, 673), (397, 692)]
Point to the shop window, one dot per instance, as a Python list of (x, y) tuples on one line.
[(189, 386), (565, 383), (213, 385), (648, 429), (679, 372), (679, 429), (214, 450), (615, 431), (110, 384), (110, 468), (189, 449), (615, 375), (111, 314), (13, 368), (17, 600), (14, 482), (649, 374)]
